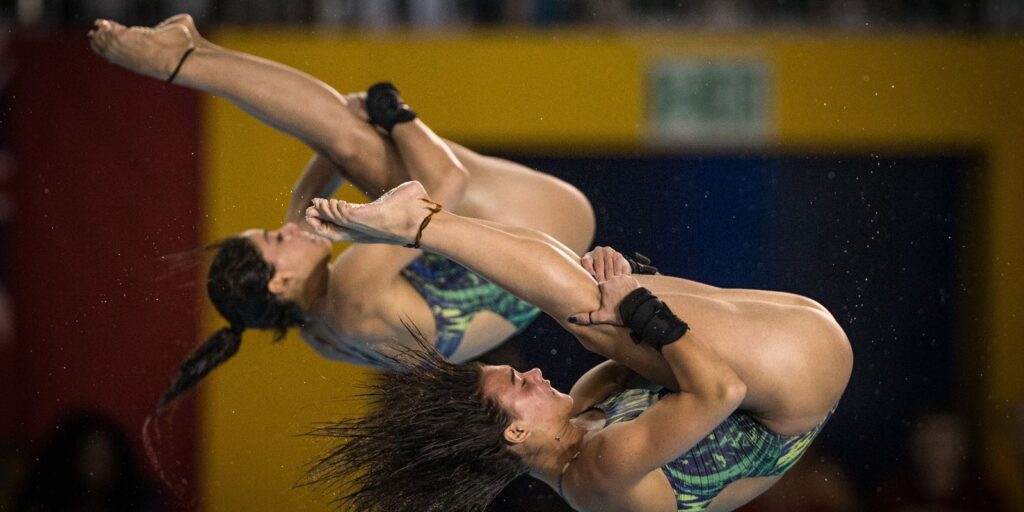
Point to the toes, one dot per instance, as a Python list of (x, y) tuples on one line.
[(327, 209), (313, 219), (337, 210)]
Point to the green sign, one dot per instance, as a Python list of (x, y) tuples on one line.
[(708, 101)]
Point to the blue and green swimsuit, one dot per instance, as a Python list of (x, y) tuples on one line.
[(455, 294), (737, 448)]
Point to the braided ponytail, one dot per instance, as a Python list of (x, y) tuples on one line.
[(237, 286), (219, 347)]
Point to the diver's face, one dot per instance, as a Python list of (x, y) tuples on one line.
[(294, 254), (531, 401)]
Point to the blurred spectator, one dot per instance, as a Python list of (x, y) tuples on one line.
[(943, 474), (815, 484), (377, 14), (606, 12), (430, 14), (87, 466)]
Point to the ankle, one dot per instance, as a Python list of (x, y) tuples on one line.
[(181, 62)]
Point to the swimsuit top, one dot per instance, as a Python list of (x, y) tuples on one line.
[(455, 294), (737, 448)]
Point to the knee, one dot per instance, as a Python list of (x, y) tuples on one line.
[(344, 144), (447, 185), (593, 338)]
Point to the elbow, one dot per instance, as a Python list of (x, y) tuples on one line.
[(731, 392), (593, 338)]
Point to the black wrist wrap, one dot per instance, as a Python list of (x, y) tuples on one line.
[(385, 107), (651, 321), (640, 264)]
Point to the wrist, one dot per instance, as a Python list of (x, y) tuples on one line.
[(650, 320)]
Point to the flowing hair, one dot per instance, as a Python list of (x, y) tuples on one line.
[(429, 441), (237, 286)]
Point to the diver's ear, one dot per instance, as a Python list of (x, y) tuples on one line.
[(280, 283), (516, 434)]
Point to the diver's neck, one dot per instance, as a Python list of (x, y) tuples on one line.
[(549, 463), (317, 298)]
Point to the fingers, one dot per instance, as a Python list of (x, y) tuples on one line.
[(609, 264), (604, 263), (599, 317), (588, 318), (623, 266), (587, 261), (580, 318)]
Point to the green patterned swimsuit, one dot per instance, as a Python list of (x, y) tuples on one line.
[(455, 294), (737, 448)]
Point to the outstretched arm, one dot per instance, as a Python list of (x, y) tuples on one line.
[(320, 178)]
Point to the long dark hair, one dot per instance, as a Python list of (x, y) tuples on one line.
[(237, 286), (430, 440)]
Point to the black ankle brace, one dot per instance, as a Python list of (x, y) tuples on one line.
[(385, 107), (650, 320)]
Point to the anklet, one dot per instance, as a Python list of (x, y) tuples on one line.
[(180, 62), (434, 208)]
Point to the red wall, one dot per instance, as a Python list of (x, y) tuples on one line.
[(107, 181)]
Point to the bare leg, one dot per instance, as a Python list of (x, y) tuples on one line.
[(533, 270), (284, 98), (431, 161), (790, 339), (310, 110), (515, 195), (670, 284)]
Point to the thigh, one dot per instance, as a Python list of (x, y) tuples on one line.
[(503, 191), (668, 284)]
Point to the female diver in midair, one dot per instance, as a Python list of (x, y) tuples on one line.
[(749, 378), (353, 308)]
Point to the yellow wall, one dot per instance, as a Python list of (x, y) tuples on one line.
[(575, 91)]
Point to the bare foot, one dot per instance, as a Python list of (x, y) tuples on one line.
[(394, 218), (186, 21), (153, 52)]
